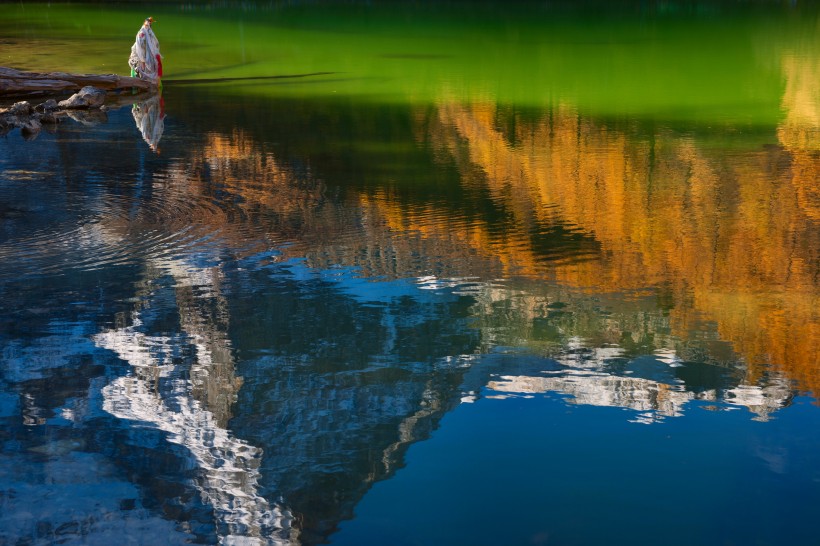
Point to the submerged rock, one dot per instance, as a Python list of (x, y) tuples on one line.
[(87, 97), (47, 106), (31, 129), (49, 119), (22, 108), (88, 117)]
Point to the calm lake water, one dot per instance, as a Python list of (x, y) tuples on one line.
[(416, 274)]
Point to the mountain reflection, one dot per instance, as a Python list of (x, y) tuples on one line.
[(654, 273), (193, 407), (652, 400), (728, 233), (724, 238), (292, 310)]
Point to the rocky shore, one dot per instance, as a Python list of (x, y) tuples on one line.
[(88, 106), (31, 119)]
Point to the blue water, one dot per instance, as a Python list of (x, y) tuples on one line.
[(229, 319), (537, 471)]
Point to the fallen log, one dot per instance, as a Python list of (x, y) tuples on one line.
[(16, 83)]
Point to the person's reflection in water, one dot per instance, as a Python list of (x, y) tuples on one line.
[(149, 115)]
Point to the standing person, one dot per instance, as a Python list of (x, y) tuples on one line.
[(145, 59)]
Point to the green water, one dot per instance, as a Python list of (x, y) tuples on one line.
[(715, 65)]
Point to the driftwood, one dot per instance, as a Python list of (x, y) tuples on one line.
[(14, 83)]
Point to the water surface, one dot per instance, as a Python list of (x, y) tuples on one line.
[(417, 275)]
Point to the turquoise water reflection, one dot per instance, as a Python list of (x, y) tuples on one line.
[(293, 319)]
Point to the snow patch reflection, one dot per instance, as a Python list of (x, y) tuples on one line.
[(193, 408)]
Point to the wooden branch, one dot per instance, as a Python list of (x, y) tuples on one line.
[(15, 83)]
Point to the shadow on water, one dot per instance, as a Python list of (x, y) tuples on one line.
[(199, 81)]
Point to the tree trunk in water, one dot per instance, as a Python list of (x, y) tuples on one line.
[(14, 83)]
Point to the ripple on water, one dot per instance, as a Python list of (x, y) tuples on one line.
[(103, 224)]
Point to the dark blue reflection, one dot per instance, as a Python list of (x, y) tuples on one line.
[(205, 346)]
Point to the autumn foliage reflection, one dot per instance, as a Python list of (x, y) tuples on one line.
[(732, 237), (734, 234)]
